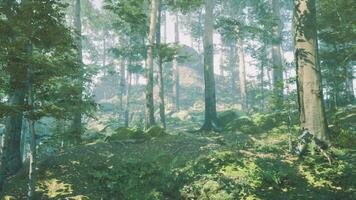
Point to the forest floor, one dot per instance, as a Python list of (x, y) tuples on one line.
[(183, 165)]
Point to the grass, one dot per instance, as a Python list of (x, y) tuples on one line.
[(229, 165)]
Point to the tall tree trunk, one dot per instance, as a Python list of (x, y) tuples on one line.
[(221, 62), (77, 120), (11, 160), (32, 140), (209, 79), (310, 94), (277, 56), (127, 99), (149, 118), (232, 67), (24, 135), (122, 86), (242, 71), (176, 80), (160, 70)]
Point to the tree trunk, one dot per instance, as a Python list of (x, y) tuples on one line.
[(209, 80), (232, 67), (176, 80), (11, 160), (32, 141), (310, 94), (277, 56), (160, 70), (149, 118), (77, 120), (127, 100), (242, 71), (122, 86)]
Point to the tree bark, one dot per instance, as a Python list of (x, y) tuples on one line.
[(176, 80), (277, 67), (242, 70), (11, 160), (310, 94), (160, 70), (209, 79), (77, 120), (127, 99), (122, 86), (32, 140), (149, 115)]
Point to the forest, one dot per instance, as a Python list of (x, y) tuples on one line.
[(177, 99)]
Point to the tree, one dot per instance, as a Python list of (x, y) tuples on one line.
[(77, 119), (310, 94), (160, 69), (175, 64), (149, 115), (242, 69), (277, 67), (210, 121)]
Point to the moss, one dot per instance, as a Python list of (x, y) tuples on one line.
[(155, 131), (126, 133)]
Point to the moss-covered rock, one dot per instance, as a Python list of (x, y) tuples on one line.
[(244, 124), (226, 117), (126, 133), (155, 131), (182, 115)]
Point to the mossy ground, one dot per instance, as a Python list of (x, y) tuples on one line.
[(219, 166)]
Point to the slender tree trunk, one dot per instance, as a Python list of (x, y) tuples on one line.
[(160, 70), (122, 85), (242, 71), (127, 100), (310, 94), (77, 121), (32, 141), (176, 80), (221, 62), (209, 80), (232, 66), (164, 19), (24, 134), (277, 56), (149, 119)]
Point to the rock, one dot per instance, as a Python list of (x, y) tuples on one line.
[(155, 131), (126, 133), (182, 115)]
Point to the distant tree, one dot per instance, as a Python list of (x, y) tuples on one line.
[(77, 128), (277, 67), (160, 82)]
